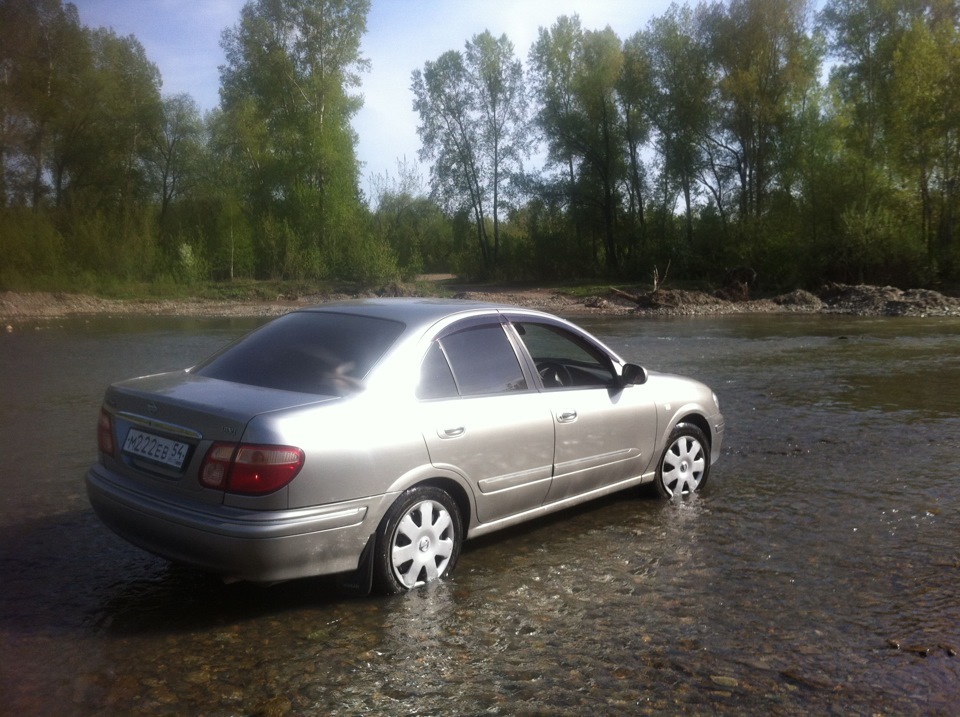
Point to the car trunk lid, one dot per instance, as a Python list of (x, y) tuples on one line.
[(164, 424)]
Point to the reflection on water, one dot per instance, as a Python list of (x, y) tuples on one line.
[(817, 572)]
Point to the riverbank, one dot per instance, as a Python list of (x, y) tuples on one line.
[(860, 300)]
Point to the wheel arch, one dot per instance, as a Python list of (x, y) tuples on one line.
[(460, 496), (448, 480), (698, 420)]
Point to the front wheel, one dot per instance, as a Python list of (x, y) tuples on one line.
[(685, 463), (418, 541)]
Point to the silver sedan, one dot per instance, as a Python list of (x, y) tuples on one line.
[(369, 439)]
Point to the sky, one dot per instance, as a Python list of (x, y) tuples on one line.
[(182, 37)]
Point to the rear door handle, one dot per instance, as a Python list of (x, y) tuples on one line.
[(567, 416), (452, 432)]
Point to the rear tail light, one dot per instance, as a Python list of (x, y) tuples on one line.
[(105, 440), (250, 469)]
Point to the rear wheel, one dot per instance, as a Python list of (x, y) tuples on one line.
[(685, 463), (418, 541)]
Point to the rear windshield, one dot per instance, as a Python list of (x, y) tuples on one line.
[(309, 352)]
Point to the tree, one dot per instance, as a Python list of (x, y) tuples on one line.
[(924, 132), (765, 62), (43, 52), (862, 36), (473, 126), (577, 74), (601, 134), (895, 79), (175, 148), (501, 106), (285, 96), (103, 143), (635, 91), (680, 105), (553, 62)]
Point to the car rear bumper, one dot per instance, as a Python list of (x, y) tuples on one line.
[(258, 546)]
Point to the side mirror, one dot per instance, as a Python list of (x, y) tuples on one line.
[(633, 375)]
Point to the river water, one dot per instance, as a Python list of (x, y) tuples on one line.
[(817, 573)]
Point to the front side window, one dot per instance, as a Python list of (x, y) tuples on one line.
[(479, 359), (563, 359)]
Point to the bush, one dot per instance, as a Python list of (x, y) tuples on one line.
[(30, 246)]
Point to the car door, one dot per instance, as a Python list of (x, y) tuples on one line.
[(483, 417), (605, 432)]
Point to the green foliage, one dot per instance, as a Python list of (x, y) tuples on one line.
[(31, 247), (876, 246), (417, 232), (705, 141), (192, 268), (371, 261), (285, 129)]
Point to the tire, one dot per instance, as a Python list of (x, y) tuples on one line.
[(685, 463), (418, 541)]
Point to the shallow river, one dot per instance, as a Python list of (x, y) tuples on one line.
[(817, 573)]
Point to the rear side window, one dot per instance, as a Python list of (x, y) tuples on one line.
[(436, 378), (309, 352), (472, 362)]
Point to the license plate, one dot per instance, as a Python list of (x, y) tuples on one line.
[(154, 448)]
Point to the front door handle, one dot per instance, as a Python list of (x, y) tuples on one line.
[(452, 432), (567, 416)]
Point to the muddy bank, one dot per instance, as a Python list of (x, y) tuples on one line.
[(834, 298)]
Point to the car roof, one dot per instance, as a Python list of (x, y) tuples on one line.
[(414, 311)]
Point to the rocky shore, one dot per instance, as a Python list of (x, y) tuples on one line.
[(831, 299)]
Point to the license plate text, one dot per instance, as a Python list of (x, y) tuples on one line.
[(155, 448)]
